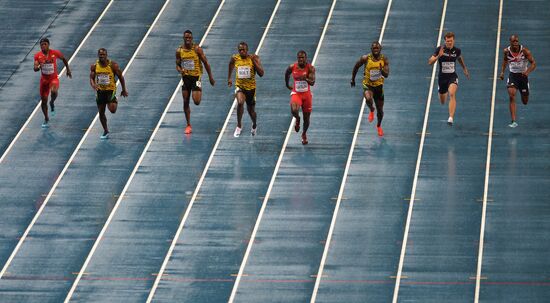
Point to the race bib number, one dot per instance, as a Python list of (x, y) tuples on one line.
[(103, 79), (189, 64), (47, 68), (447, 67), (516, 67), (375, 74), (243, 72), (301, 86)]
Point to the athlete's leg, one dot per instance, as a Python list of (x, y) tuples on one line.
[(54, 87), (379, 102), (295, 104), (112, 106), (368, 99), (251, 108), (442, 98), (307, 116), (241, 98), (452, 99), (197, 97), (102, 116), (512, 95), (186, 108)]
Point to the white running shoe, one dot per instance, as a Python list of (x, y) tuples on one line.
[(513, 124), (253, 131), (450, 121), (237, 132), (105, 136), (45, 124)]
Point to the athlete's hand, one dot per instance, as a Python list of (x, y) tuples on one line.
[(467, 73), (352, 83), (441, 51), (255, 58), (501, 76), (124, 93), (289, 87), (183, 71), (212, 81), (69, 74), (94, 87), (36, 66), (229, 83)]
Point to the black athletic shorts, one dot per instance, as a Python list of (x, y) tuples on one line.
[(191, 83), (444, 81), (520, 82), (250, 95), (377, 91), (106, 96)]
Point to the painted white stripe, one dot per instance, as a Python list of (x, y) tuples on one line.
[(60, 74), (488, 166), (75, 152), (345, 177), (276, 170), (203, 175), (417, 170)]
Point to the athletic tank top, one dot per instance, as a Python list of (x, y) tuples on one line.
[(104, 76), (300, 86), (372, 75), (48, 63), (517, 62), (245, 73), (190, 61), (447, 62)]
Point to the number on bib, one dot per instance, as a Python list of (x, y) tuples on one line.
[(375, 74), (516, 67), (243, 72), (301, 86), (447, 67), (189, 64), (47, 68), (103, 79)]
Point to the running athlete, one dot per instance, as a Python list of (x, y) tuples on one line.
[(246, 67), (516, 57), (103, 74), (189, 60), (46, 62), (303, 74), (446, 56), (377, 67)]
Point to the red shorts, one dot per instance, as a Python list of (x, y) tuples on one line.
[(305, 100), (46, 85)]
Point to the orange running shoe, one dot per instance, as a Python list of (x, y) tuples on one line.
[(371, 117), (380, 131), (304, 139), (188, 129)]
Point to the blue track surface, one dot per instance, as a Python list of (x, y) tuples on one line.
[(441, 255)]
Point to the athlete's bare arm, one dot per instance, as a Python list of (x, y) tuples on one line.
[(257, 65), (202, 57), (66, 63), (36, 65), (92, 77), (362, 60), (178, 62), (464, 68), (504, 63), (118, 73), (532, 62), (230, 71), (385, 71), (310, 79), (433, 59), (287, 76)]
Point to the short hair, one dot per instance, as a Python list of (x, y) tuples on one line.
[(187, 32), (301, 52), (449, 35), (376, 43), (102, 49), (45, 40), (244, 43)]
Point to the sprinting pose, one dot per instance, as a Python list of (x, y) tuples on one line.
[(517, 57), (46, 62)]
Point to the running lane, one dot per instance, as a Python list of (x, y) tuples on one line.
[(209, 252), (65, 23), (157, 196), (515, 260), (40, 272), (441, 255), (287, 249), (364, 251)]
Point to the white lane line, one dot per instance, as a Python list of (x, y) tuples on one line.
[(272, 182), (117, 204), (488, 166), (345, 177), (203, 175), (417, 170), (60, 74), (54, 187)]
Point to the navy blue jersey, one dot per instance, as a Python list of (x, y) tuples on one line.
[(447, 62)]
